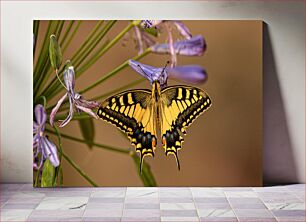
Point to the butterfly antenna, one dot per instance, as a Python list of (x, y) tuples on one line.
[(167, 63), (142, 70), (177, 161)]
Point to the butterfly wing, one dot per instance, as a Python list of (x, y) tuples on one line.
[(132, 112), (180, 106)]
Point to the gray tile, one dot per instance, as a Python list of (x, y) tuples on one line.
[(98, 205), (142, 219), (213, 205), (20, 206), (289, 213), (109, 194), (248, 206), (142, 200), (177, 206), (14, 214), (102, 219), (57, 213), (210, 200), (178, 213), (106, 200), (141, 206), (176, 200), (218, 219), (178, 219), (103, 213), (215, 213), (253, 219), (53, 219), (142, 213), (253, 213), (245, 200)]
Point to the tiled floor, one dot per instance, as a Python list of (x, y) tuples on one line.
[(21, 202)]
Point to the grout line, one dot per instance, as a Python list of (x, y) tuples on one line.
[(266, 205), (123, 207), (229, 203), (198, 215)]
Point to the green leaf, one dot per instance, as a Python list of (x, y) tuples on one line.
[(146, 175), (87, 130), (48, 173), (55, 53)]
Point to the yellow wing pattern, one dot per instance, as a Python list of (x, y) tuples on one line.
[(131, 111), (180, 106)]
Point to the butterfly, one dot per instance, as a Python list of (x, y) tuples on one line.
[(140, 112)]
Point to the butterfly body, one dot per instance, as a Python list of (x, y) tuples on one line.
[(139, 113)]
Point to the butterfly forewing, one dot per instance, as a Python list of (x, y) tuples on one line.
[(131, 112)]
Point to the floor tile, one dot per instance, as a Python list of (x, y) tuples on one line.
[(176, 200), (178, 213), (105, 200), (210, 200), (141, 219), (216, 213), (20, 206), (177, 206), (207, 192), (178, 219), (253, 213), (240, 194), (142, 213), (57, 213), (110, 194), (103, 213), (101, 219), (15, 214), (141, 206), (285, 206), (62, 203), (218, 219), (98, 205), (224, 205)]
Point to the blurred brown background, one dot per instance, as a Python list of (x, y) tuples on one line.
[(223, 147)]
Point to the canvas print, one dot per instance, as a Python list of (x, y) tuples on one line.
[(147, 103)]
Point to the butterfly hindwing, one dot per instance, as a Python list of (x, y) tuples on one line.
[(181, 105), (131, 112)]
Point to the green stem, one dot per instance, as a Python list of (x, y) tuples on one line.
[(77, 168), (53, 87), (35, 31), (115, 71), (41, 52), (73, 164), (107, 147), (72, 36), (87, 43), (98, 55), (59, 169), (62, 42)]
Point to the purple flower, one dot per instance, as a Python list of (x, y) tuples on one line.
[(182, 29), (194, 46), (151, 73), (41, 144), (75, 100), (192, 74), (143, 40)]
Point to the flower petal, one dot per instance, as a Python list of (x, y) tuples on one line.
[(149, 72), (80, 101), (69, 79), (194, 46), (35, 127), (184, 31), (192, 74), (50, 152), (40, 114), (55, 109), (86, 110), (70, 115), (139, 40), (150, 23)]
